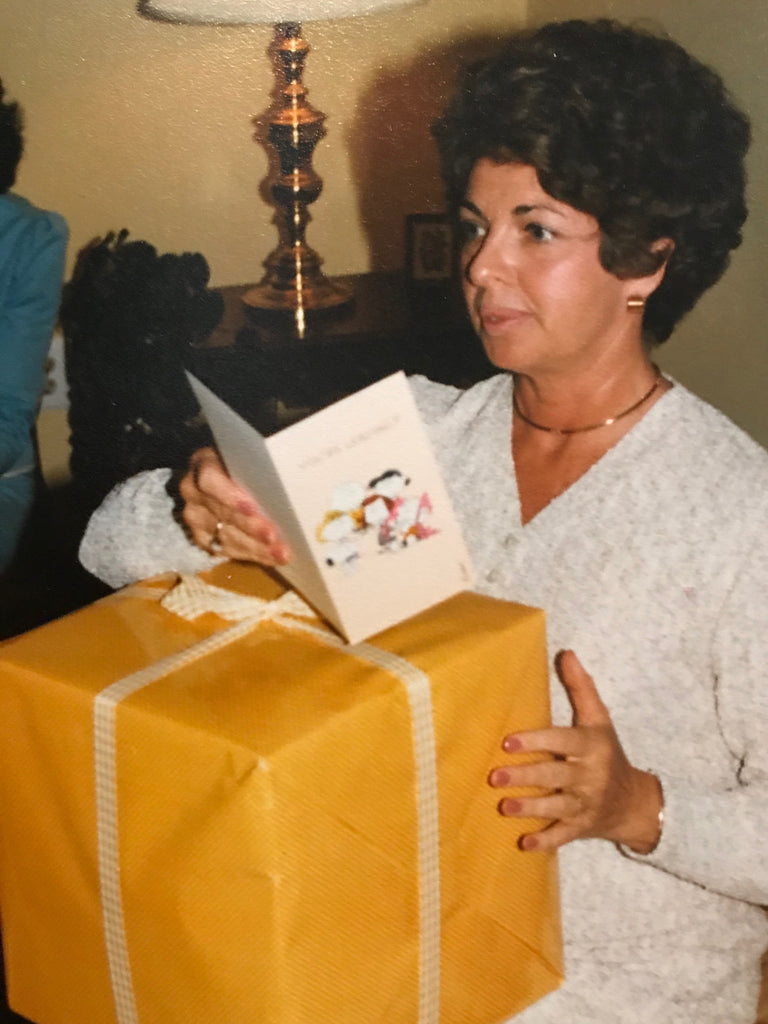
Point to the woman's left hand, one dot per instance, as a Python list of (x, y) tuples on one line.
[(594, 791)]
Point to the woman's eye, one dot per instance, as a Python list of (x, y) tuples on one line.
[(539, 232), (470, 231)]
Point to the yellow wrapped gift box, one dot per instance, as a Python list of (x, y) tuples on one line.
[(258, 824)]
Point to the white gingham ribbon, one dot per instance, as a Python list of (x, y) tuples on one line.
[(190, 598)]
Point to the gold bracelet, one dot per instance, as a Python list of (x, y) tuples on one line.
[(627, 850), (661, 809)]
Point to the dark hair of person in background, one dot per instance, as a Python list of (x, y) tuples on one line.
[(625, 126), (11, 141)]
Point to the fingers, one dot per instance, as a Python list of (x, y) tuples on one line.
[(588, 708), (555, 806), (556, 798), (551, 838), (579, 787), (223, 518), (543, 774), (568, 810), (562, 741), (208, 481), (253, 544), (588, 711)]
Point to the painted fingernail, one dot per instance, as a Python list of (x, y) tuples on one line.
[(527, 842), (499, 777), (512, 743), (509, 806)]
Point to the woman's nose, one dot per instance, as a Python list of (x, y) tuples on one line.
[(487, 262)]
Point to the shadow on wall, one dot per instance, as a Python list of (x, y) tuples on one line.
[(393, 157)]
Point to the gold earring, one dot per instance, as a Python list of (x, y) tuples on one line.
[(636, 303)]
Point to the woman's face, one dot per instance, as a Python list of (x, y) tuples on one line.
[(536, 291)]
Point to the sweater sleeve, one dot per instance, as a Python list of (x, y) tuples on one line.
[(27, 318), (716, 837), (134, 534)]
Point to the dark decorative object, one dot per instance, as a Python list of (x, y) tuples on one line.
[(130, 319)]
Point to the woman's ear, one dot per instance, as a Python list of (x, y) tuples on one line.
[(642, 287), (663, 247)]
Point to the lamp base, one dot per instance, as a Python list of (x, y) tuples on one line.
[(322, 293), (290, 129)]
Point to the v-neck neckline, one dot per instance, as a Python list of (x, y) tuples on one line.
[(632, 437)]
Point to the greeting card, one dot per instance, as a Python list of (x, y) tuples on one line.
[(357, 495)]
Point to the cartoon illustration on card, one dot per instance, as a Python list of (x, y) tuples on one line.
[(382, 517), (339, 527)]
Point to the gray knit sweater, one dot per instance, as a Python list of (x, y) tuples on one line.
[(653, 567)]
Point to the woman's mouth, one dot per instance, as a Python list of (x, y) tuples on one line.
[(496, 321)]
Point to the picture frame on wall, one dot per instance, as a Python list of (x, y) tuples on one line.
[(429, 248)]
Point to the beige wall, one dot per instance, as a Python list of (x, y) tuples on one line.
[(145, 125), (721, 349)]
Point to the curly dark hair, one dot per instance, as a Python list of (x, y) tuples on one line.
[(11, 141), (623, 125)]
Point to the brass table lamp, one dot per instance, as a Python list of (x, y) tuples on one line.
[(294, 282)]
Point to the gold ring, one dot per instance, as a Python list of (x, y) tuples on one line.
[(215, 546)]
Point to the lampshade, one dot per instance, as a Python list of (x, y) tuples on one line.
[(257, 12)]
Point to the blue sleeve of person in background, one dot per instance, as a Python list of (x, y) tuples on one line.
[(32, 249)]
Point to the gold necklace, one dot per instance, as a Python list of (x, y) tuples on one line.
[(593, 426)]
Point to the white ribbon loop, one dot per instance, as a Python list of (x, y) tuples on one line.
[(192, 597)]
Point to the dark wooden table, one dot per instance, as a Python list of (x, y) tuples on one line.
[(256, 362)]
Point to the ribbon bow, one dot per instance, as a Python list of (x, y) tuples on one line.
[(192, 597)]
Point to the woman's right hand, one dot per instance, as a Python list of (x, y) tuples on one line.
[(223, 518)]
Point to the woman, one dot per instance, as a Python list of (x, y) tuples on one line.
[(32, 247), (598, 177)]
